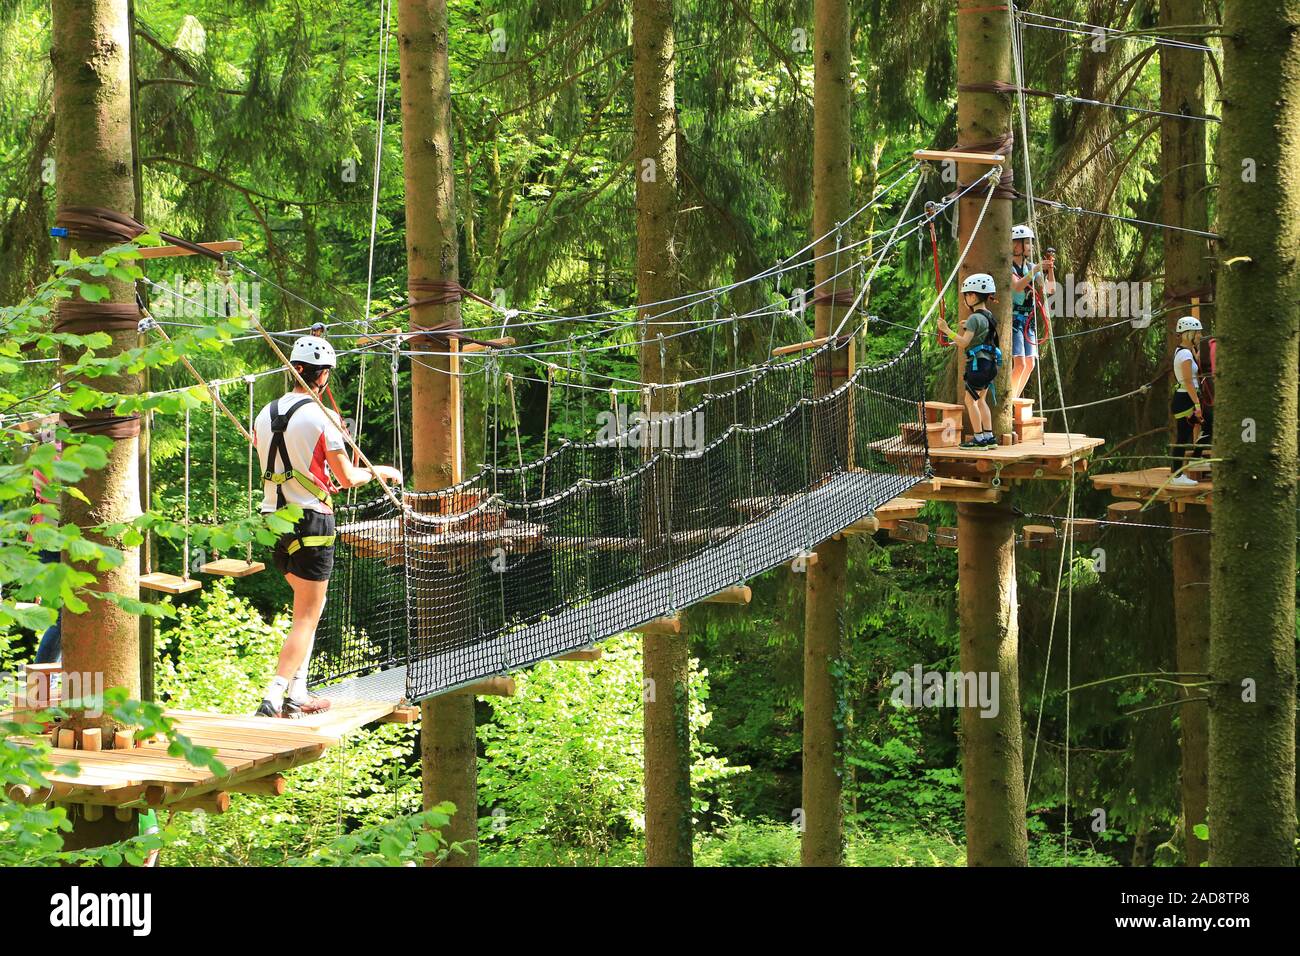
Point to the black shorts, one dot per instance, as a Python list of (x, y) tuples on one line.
[(980, 376), (309, 561)]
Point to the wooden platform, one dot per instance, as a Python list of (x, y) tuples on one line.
[(250, 748), (1152, 484), (382, 539), (1054, 457)]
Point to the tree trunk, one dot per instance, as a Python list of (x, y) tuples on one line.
[(992, 749), (1187, 273), (668, 830), (1252, 635), (1192, 624), (984, 56), (822, 841), (90, 52), (448, 750)]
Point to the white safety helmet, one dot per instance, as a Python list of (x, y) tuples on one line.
[(1188, 323), (313, 350), (1021, 232), (980, 282)]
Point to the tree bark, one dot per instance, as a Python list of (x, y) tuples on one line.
[(823, 813), (992, 748), (448, 749), (1192, 624), (1252, 636), (666, 717), (90, 52), (984, 56), (1184, 202)]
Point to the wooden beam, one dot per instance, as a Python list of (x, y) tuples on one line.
[(800, 346), (910, 531), (865, 526), (216, 802), (740, 594), (956, 489), (583, 654), (273, 786), (167, 252), (491, 344), (672, 624), (407, 714), (492, 687), (943, 155)]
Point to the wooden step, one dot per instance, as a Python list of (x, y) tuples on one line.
[(1039, 536), (1124, 510), (945, 537), (943, 434), (1082, 529), (1030, 429), (168, 583), (910, 531), (943, 412), (1024, 409), (232, 567)]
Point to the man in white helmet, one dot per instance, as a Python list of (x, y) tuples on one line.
[(1186, 402), (979, 337), (1026, 277), (304, 462)]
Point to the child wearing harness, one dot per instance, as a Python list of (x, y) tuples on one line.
[(1186, 402), (979, 337), (301, 450), (1026, 277)]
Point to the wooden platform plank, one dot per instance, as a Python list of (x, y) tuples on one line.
[(232, 567)]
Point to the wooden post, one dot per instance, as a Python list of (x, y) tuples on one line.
[(90, 54), (448, 750), (666, 656), (1192, 628), (992, 747), (984, 56), (822, 840)]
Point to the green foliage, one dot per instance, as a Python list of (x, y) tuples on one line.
[(562, 760)]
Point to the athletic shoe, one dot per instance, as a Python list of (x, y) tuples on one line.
[(1183, 481), (309, 708), (972, 443), (267, 709), (988, 442)]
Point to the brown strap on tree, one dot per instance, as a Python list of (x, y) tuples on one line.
[(997, 86), (1006, 187), (106, 423), (79, 317), (843, 297), (96, 224)]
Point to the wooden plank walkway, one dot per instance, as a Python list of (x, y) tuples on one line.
[(250, 748)]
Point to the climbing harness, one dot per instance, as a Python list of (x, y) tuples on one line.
[(278, 450)]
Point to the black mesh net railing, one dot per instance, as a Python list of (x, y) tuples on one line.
[(516, 565)]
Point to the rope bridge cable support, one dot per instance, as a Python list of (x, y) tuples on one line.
[(1079, 210)]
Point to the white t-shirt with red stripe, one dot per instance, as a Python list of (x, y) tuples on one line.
[(311, 433)]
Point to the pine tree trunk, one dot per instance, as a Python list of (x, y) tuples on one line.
[(1252, 633), (984, 56), (1192, 624), (448, 750), (822, 841), (90, 52), (1187, 274), (992, 749), (666, 716)]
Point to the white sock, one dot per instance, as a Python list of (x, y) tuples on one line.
[(298, 686), (275, 691)]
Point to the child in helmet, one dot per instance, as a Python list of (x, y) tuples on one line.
[(1186, 402), (979, 337), (301, 449), (1026, 276)]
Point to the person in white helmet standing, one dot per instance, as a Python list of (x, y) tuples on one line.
[(979, 337), (303, 458), (1026, 276), (1186, 402)]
